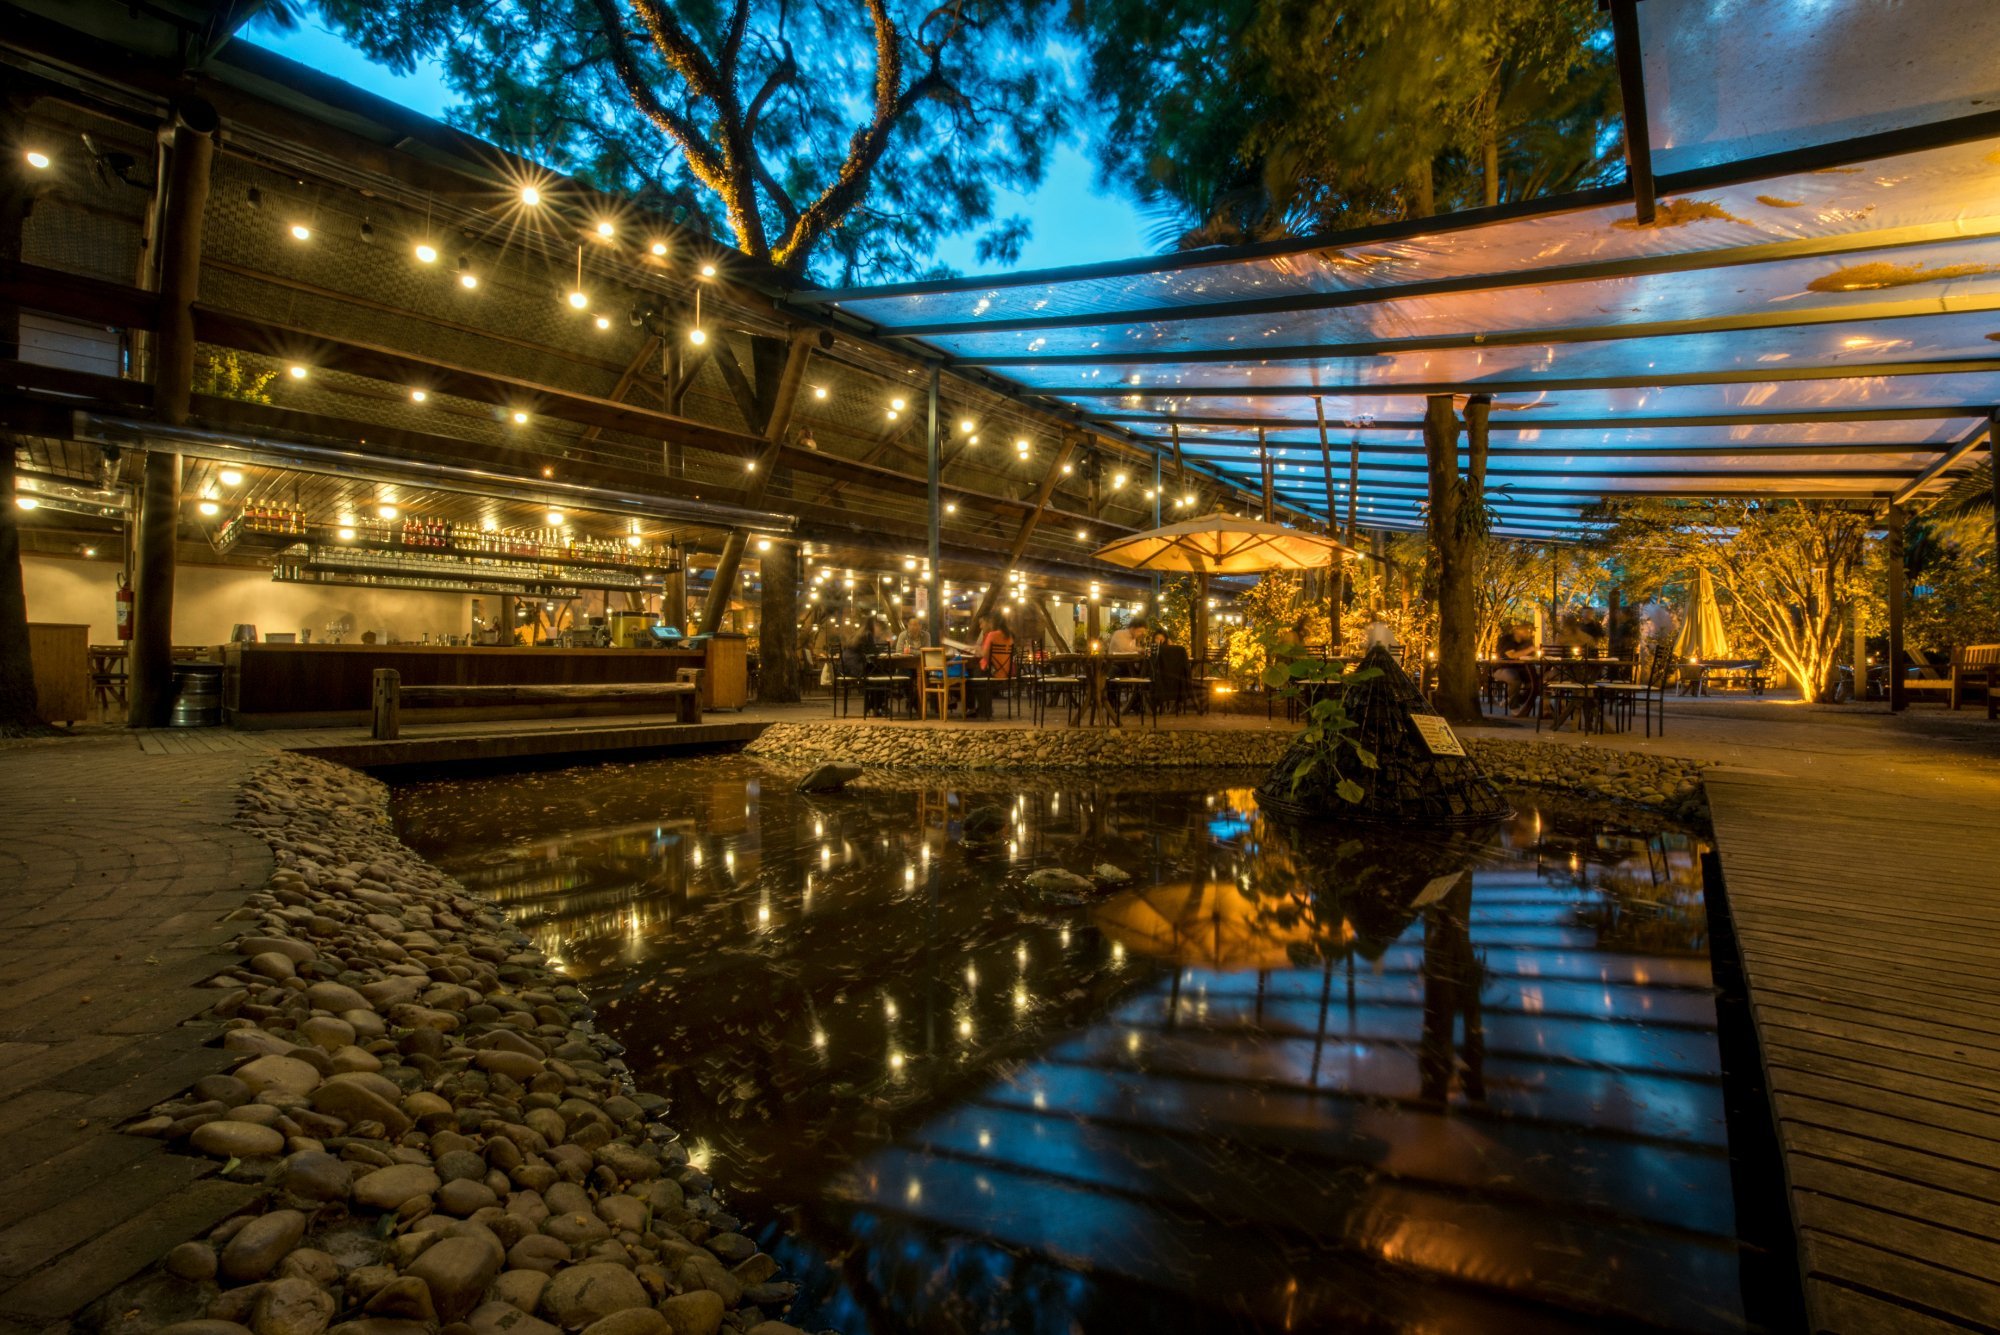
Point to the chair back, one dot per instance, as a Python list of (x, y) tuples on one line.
[(1660, 672), (1172, 669), (932, 658)]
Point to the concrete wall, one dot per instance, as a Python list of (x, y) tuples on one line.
[(209, 600)]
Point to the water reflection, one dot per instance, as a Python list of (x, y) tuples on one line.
[(1274, 1081)]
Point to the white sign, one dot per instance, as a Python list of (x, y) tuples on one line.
[(1437, 735)]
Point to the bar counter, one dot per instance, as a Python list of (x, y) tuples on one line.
[(331, 685)]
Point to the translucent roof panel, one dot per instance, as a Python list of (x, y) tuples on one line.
[(1948, 275), (1733, 79), (1937, 194), (1509, 434)]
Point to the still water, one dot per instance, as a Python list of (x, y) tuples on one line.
[(1267, 1080)]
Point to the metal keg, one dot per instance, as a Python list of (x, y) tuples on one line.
[(197, 696)]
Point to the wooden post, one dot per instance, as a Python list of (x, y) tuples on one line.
[(1993, 470), (778, 624), (1336, 592), (386, 721), (934, 520), (780, 398), (1264, 458), (1860, 653), (1899, 696), (150, 697), (1198, 623)]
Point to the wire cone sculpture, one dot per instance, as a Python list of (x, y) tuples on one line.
[(1422, 775)]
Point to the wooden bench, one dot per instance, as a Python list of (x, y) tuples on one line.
[(1977, 665), (391, 695)]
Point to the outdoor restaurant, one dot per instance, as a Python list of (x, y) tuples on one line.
[(1421, 768)]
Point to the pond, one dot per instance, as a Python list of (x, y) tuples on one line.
[(1255, 1079)]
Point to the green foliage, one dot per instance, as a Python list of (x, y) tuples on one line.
[(1251, 119), (1328, 734), (842, 138), (222, 376), (1954, 595), (1785, 569), (1271, 607), (1176, 610)]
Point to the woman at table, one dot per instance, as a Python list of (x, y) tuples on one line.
[(995, 661)]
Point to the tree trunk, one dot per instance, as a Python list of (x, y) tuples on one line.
[(19, 708), (1455, 537), (1489, 142), (1426, 191), (778, 625)]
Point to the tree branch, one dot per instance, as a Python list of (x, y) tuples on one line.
[(701, 155)]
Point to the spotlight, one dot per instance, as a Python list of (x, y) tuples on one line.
[(207, 507), (426, 253), (578, 300), (301, 232), (530, 196), (229, 477), (38, 160), (418, 396), (297, 372)]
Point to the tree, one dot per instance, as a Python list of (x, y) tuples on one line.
[(1785, 568), (1254, 119), (20, 710), (858, 131)]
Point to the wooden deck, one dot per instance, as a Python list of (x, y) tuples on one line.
[(455, 743), (1868, 920)]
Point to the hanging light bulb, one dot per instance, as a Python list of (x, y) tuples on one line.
[(965, 426), (659, 248), (578, 300), (301, 232), (606, 230), (297, 372), (897, 404), (708, 271), (229, 477), (28, 502), (466, 278), (697, 337), (418, 396), (819, 391), (604, 322), (38, 159), (555, 518), (520, 419), (426, 253), (763, 544), (530, 196), (385, 511)]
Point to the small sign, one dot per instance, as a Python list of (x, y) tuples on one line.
[(1437, 735)]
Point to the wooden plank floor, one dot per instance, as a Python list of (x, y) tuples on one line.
[(450, 742), (1869, 925)]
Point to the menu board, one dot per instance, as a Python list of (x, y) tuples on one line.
[(1437, 735)]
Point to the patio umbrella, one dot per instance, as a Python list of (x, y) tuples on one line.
[(1221, 545), (1702, 638), (1208, 925)]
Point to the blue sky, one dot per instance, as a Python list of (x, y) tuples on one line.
[(1076, 222)]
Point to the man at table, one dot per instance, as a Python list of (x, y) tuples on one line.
[(1129, 638), (912, 637)]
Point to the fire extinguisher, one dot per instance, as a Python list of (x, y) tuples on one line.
[(124, 608)]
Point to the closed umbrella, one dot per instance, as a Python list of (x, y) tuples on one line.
[(1221, 545), (1702, 638)]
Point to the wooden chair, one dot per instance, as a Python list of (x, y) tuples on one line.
[(935, 682), (1133, 688), (1045, 686), (1977, 665), (881, 688), (1618, 699)]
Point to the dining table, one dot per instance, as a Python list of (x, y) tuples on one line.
[(1542, 668), (1097, 669)]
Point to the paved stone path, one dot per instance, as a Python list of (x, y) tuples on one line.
[(115, 870)]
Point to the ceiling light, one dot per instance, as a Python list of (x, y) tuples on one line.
[(489, 524), (605, 229), (418, 396), (951, 507), (708, 271), (972, 440), (819, 391), (634, 540), (964, 426), (578, 300), (555, 518), (206, 507), (603, 322), (301, 232), (1118, 480), (892, 414), (347, 535), (385, 511), (27, 502), (1067, 470), (697, 337), (548, 471), (749, 465), (231, 478), (468, 280), (297, 372), (426, 252), (763, 544), (530, 196), (38, 160), (520, 419), (897, 404), (659, 247), (1082, 534)]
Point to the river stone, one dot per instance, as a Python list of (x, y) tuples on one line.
[(298, 952), (695, 1313), (628, 1162), (290, 1074), (456, 1164), (204, 1326), (382, 1325), (292, 1307), (773, 1328), (458, 1271), (406, 1298), (567, 1198), (260, 1244), (515, 1065), (316, 1176), (390, 1188), (231, 1139), (326, 1032), (193, 1261), (464, 1196), (829, 778), (578, 1229), (631, 1321), (272, 965), (522, 1288), (732, 1247), (625, 1213), (702, 1271), (586, 1293), (507, 1319), (353, 1103), (336, 998), (538, 1251), (312, 1264), (223, 1089)]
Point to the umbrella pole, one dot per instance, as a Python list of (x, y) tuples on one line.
[(1337, 581)]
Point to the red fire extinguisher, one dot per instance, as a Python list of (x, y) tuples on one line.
[(124, 608)]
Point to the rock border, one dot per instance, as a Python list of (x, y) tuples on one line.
[(448, 1143)]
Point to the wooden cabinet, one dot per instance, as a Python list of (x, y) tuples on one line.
[(61, 655), (726, 684)]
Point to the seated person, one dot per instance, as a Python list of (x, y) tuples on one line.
[(995, 660), (1516, 642), (1128, 638), (912, 637)]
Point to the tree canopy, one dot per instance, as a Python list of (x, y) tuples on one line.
[(1251, 119), (844, 138)]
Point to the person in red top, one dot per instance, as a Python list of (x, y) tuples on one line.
[(996, 659)]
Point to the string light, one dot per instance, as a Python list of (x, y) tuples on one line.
[(659, 248), (38, 159), (577, 297), (520, 419), (530, 196), (297, 372), (418, 396), (301, 232), (210, 508), (606, 230), (426, 253)]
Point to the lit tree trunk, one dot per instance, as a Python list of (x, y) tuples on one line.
[(778, 625), (1456, 536)]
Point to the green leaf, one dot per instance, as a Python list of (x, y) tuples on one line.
[(1350, 791), (1276, 675)]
